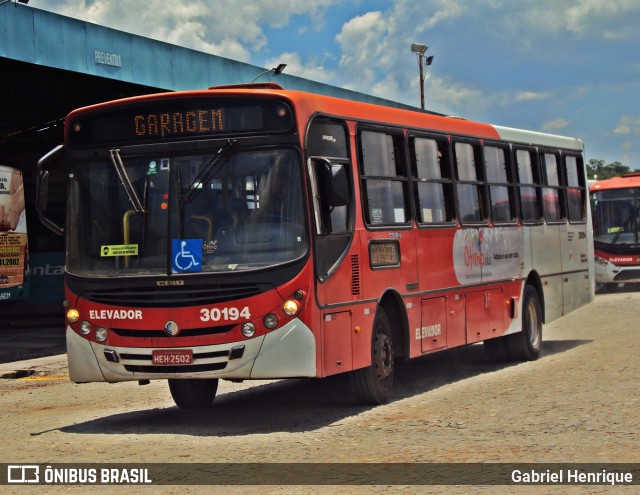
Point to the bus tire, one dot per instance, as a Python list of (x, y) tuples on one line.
[(526, 345), (193, 393), (497, 349), (373, 384)]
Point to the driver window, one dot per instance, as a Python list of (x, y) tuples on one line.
[(328, 141), (329, 166)]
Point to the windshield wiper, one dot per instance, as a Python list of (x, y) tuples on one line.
[(632, 214), (207, 171), (126, 181)]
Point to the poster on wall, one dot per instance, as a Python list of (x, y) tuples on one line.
[(13, 234)]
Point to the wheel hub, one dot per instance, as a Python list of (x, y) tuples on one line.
[(383, 357)]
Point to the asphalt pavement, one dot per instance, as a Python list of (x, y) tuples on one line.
[(18, 343)]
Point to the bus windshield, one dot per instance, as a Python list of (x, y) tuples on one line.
[(616, 216), (227, 210)]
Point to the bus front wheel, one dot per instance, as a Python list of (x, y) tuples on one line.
[(193, 393), (373, 384)]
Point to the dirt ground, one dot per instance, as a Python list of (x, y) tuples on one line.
[(579, 403)]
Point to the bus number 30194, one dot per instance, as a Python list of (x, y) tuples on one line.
[(224, 314)]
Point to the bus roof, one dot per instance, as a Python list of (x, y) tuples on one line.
[(312, 103), (624, 182), (539, 138)]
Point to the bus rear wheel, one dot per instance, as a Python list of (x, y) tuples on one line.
[(193, 393), (526, 345), (373, 385)]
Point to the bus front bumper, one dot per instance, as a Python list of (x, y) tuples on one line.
[(288, 352), (609, 273)]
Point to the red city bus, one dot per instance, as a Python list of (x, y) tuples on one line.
[(615, 204), (251, 232)]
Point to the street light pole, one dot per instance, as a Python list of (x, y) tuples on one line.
[(427, 62), (419, 49), (275, 70), (421, 81)]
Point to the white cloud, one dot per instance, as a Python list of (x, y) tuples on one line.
[(628, 125), (521, 96), (444, 95), (555, 125), (374, 47), (233, 28), (312, 69), (362, 45), (605, 18)]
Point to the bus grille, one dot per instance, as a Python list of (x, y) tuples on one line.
[(172, 297), (187, 332), (627, 275), (200, 355), (190, 368), (202, 361)]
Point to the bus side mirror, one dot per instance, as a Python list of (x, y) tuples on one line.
[(341, 196), (333, 183)]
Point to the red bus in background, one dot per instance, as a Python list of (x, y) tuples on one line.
[(615, 204), (251, 232)]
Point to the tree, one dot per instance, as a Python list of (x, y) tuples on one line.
[(596, 169)]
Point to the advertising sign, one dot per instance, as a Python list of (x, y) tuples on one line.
[(13, 235)]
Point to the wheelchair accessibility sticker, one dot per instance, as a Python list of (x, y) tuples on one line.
[(186, 255)]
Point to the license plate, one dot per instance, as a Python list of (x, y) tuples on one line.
[(172, 356)]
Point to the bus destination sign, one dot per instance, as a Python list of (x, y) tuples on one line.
[(179, 123), (178, 119)]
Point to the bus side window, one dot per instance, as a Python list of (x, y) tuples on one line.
[(499, 177), (432, 188), (576, 192), (470, 186), (384, 178), (528, 186), (552, 191)]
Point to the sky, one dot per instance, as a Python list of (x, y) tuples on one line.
[(569, 67)]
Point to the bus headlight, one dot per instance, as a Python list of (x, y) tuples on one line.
[(270, 321), (101, 334), (248, 329), (85, 327), (73, 315), (290, 307)]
